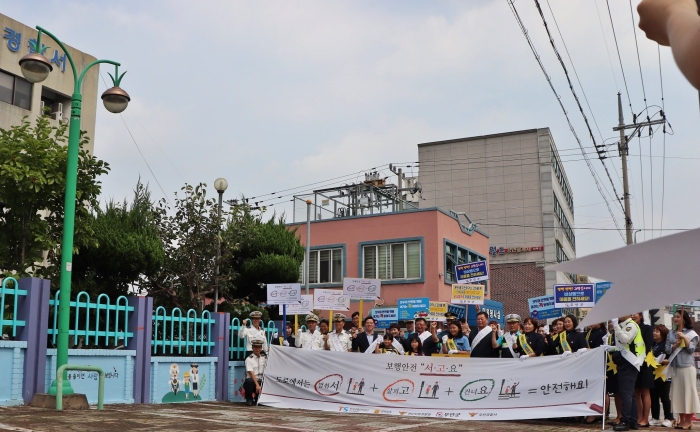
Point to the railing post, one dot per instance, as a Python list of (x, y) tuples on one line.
[(220, 334), (140, 324), (34, 310)]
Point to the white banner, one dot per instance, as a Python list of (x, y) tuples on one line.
[(446, 387), (329, 299), (279, 294), (302, 308), (361, 289)]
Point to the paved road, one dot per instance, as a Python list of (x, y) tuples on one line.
[(221, 416)]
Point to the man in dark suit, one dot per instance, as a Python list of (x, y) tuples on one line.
[(362, 340)]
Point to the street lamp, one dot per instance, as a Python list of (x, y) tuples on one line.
[(36, 68), (220, 185)]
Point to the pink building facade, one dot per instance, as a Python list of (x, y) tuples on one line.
[(413, 252)]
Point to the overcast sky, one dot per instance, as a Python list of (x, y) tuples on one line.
[(273, 95)]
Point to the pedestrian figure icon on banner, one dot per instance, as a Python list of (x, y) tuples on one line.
[(355, 387), (430, 391), (508, 391)]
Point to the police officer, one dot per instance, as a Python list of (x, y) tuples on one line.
[(509, 338), (307, 339), (628, 354), (339, 339), (254, 368), (253, 331)]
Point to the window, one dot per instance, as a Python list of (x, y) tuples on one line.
[(15, 90), (392, 261), (562, 257), (559, 173), (458, 255), (559, 211), (325, 266)]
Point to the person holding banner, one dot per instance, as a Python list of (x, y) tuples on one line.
[(320, 343), (307, 339), (339, 340), (362, 340), (252, 332), (530, 343), (254, 367), (680, 346), (454, 342), (557, 327), (429, 339), (415, 346), (569, 340), (386, 347), (509, 338), (483, 341)]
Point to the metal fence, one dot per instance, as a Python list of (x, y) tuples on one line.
[(177, 332), (9, 319), (91, 321), (237, 345)]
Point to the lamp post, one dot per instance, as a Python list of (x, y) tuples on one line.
[(220, 185), (36, 68)]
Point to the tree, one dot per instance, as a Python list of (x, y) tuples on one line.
[(267, 253), (33, 163), (128, 248), (190, 242)]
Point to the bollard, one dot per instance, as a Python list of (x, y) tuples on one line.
[(59, 383)]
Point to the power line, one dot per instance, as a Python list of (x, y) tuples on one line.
[(663, 166), (607, 49), (617, 47)]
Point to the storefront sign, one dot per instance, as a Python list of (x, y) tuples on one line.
[(500, 250)]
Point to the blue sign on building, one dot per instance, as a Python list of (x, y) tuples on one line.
[(408, 307), (601, 288), (494, 310)]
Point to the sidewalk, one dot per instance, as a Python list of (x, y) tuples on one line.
[(219, 416)]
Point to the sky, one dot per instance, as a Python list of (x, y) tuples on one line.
[(273, 95)]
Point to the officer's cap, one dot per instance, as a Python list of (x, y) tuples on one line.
[(511, 318), (450, 316), (338, 317), (311, 317), (255, 314), (257, 343)]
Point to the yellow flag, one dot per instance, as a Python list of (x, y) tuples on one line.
[(611, 364), (650, 360), (659, 373)]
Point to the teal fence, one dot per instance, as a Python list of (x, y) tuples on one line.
[(174, 331), (9, 318), (237, 345), (90, 321)]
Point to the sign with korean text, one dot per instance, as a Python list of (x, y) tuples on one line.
[(458, 310), (439, 387), (574, 296), (600, 289), (492, 308), (542, 308), (385, 314), (330, 299), (361, 289), (437, 311), (472, 272), (467, 294), (280, 294), (412, 308), (304, 307)]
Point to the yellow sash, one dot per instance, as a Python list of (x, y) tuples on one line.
[(451, 345), (563, 342), (522, 341)]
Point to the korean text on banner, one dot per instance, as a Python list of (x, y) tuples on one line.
[(467, 294), (385, 314), (437, 311), (412, 308), (458, 310), (600, 289), (465, 389), (304, 307), (362, 289), (280, 294), (574, 296), (472, 272), (542, 308), (331, 300)]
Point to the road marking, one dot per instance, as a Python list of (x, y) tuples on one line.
[(14, 428)]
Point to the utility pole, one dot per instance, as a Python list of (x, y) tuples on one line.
[(623, 148), (307, 252), (399, 183)]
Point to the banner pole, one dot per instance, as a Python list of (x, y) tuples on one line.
[(284, 322), (330, 320), (296, 324), (362, 304)]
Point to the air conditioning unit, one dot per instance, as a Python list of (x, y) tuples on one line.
[(57, 111)]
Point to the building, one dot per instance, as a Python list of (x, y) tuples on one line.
[(413, 251), (20, 98), (514, 186)]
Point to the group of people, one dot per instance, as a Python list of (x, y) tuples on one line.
[(636, 354)]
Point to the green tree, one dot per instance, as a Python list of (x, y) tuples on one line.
[(128, 250), (267, 252), (189, 235), (32, 188)]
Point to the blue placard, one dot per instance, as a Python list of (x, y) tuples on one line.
[(574, 295), (408, 307), (389, 315), (458, 310), (383, 324), (542, 308), (493, 308), (546, 314), (600, 289), (472, 272)]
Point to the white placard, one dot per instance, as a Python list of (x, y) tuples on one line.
[(330, 299), (362, 289), (452, 387), (279, 294), (302, 308)]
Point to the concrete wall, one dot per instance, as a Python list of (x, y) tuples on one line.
[(59, 81), (12, 372), (163, 369)]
